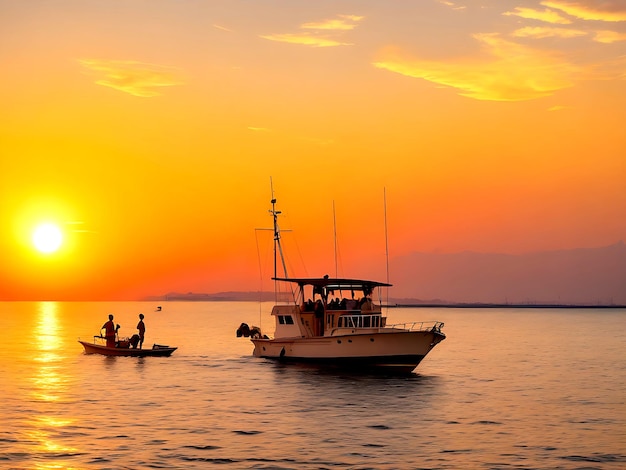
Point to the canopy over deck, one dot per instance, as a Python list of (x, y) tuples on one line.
[(333, 283)]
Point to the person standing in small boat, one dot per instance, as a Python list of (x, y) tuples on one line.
[(109, 332), (142, 330)]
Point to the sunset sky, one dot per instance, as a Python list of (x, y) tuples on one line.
[(148, 132)]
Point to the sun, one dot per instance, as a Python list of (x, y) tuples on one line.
[(47, 238)]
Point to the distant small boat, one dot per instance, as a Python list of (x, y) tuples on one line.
[(123, 349), (158, 309)]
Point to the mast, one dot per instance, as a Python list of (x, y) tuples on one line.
[(386, 239), (335, 238), (278, 248)]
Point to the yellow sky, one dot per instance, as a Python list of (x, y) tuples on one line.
[(149, 130)]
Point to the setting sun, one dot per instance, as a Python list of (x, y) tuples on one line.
[(47, 238)]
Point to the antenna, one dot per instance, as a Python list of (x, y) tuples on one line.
[(277, 244), (335, 238), (386, 239)]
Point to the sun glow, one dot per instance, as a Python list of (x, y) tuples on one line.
[(47, 238)]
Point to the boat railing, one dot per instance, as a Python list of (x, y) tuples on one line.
[(359, 320), (435, 326)]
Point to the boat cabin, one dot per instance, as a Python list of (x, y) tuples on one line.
[(327, 306)]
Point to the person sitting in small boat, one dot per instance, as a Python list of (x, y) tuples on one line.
[(109, 332)]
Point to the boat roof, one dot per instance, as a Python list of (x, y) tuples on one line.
[(333, 283)]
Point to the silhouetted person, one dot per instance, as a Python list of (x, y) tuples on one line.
[(109, 332), (142, 330), (319, 317)]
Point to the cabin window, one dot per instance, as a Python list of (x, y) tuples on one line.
[(285, 319)]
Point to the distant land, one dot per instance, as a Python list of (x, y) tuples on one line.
[(570, 278)]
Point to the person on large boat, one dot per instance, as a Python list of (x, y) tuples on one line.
[(352, 304), (109, 332), (319, 317), (142, 330)]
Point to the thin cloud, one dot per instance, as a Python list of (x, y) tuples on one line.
[(558, 108), (136, 78), (305, 40), (547, 16), (319, 34), (258, 129), (452, 5), (513, 72), (609, 37), (540, 32), (597, 10), (343, 23), (76, 222), (222, 28)]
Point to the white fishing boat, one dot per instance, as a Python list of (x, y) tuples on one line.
[(339, 322)]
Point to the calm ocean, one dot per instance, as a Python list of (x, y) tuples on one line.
[(508, 389)]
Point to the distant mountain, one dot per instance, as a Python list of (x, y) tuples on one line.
[(215, 297), (580, 276)]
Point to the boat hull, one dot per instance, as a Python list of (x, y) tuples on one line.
[(399, 351), (161, 351)]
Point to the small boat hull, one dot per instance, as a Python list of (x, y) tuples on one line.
[(157, 350)]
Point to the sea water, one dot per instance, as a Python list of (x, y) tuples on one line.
[(508, 389)]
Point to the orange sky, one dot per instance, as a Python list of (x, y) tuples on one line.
[(149, 132)]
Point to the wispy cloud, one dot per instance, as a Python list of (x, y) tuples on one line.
[(547, 16), (223, 28), (305, 40), (513, 72), (558, 108), (342, 23), (543, 32), (597, 10), (78, 230), (608, 37), (136, 78), (258, 129), (320, 33), (452, 5)]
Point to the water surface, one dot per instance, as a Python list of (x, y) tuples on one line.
[(508, 388)]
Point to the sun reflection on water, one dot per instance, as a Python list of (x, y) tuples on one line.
[(47, 381), (47, 332), (50, 386)]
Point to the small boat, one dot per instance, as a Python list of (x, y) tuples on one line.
[(341, 324), (123, 348)]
